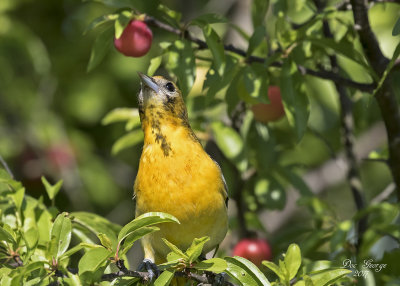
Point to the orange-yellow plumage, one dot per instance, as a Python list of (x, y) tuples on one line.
[(175, 174)]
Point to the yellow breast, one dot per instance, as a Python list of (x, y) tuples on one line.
[(178, 177)]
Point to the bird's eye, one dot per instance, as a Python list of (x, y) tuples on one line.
[(170, 87)]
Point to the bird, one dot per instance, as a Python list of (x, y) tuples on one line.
[(176, 175)]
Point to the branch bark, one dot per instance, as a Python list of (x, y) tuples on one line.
[(324, 74), (347, 127), (206, 279), (385, 97)]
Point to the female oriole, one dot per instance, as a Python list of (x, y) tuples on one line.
[(176, 175)]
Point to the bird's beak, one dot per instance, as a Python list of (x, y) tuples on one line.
[(149, 82)]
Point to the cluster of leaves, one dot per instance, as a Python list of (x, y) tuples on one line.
[(232, 78), (39, 245), (275, 55)]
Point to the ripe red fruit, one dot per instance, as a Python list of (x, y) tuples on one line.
[(135, 40), (60, 156), (254, 249), (273, 111)]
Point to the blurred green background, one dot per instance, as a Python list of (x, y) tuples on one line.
[(51, 111)]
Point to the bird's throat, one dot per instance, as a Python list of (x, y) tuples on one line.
[(166, 130)]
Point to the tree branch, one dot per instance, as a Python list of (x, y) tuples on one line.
[(346, 5), (385, 97), (5, 165), (151, 21), (347, 126), (207, 278)]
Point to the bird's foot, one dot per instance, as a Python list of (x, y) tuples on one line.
[(151, 268), (219, 279)]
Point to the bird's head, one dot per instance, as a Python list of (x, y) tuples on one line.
[(160, 96), (161, 106)]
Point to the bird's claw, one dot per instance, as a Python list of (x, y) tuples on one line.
[(150, 267), (219, 279)]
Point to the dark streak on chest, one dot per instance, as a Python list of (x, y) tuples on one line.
[(159, 137)]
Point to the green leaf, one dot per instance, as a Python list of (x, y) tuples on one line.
[(5, 176), (6, 235), (122, 21), (260, 277), (216, 47), (181, 61), (275, 268), (99, 21), (230, 143), (297, 181), (73, 250), (195, 249), (389, 67), (245, 272), (176, 250), (84, 221), (93, 259), (100, 48), (25, 270), (31, 237), (294, 98), (128, 140), (171, 16), (154, 65), (292, 260), (216, 265), (339, 235), (120, 114), (211, 18), (104, 240), (132, 236), (52, 190), (60, 235), (255, 83), (328, 276), (256, 39), (143, 220), (165, 278), (173, 258), (44, 225), (259, 9), (396, 28), (18, 197), (345, 49), (270, 193)]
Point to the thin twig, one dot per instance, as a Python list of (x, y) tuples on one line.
[(347, 126), (151, 21), (4, 163), (385, 96), (207, 278)]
